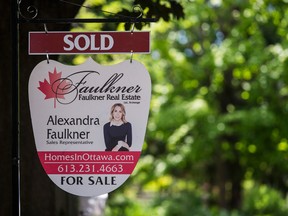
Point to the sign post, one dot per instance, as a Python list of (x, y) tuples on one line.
[(16, 208)]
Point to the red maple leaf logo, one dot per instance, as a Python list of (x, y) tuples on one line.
[(55, 88)]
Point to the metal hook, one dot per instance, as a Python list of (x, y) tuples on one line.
[(30, 9), (132, 29), (46, 31), (131, 56), (45, 28), (47, 57), (136, 8)]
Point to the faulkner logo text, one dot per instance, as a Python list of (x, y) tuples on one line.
[(77, 86)]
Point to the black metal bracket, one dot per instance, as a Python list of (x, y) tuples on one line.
[(33, 12), (92, 20)]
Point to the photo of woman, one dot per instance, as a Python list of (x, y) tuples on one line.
[(117, 132)]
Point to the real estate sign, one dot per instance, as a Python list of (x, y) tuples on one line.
[(89, 122)]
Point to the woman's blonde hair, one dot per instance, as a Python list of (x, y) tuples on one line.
[(123, 111)]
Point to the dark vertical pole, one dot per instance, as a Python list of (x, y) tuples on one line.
[(15, 110)]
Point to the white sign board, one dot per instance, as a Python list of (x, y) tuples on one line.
[(89, 122)]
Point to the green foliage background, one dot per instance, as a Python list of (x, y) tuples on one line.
[(216, 141)]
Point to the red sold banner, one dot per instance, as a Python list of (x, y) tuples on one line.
[(88, 42)]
